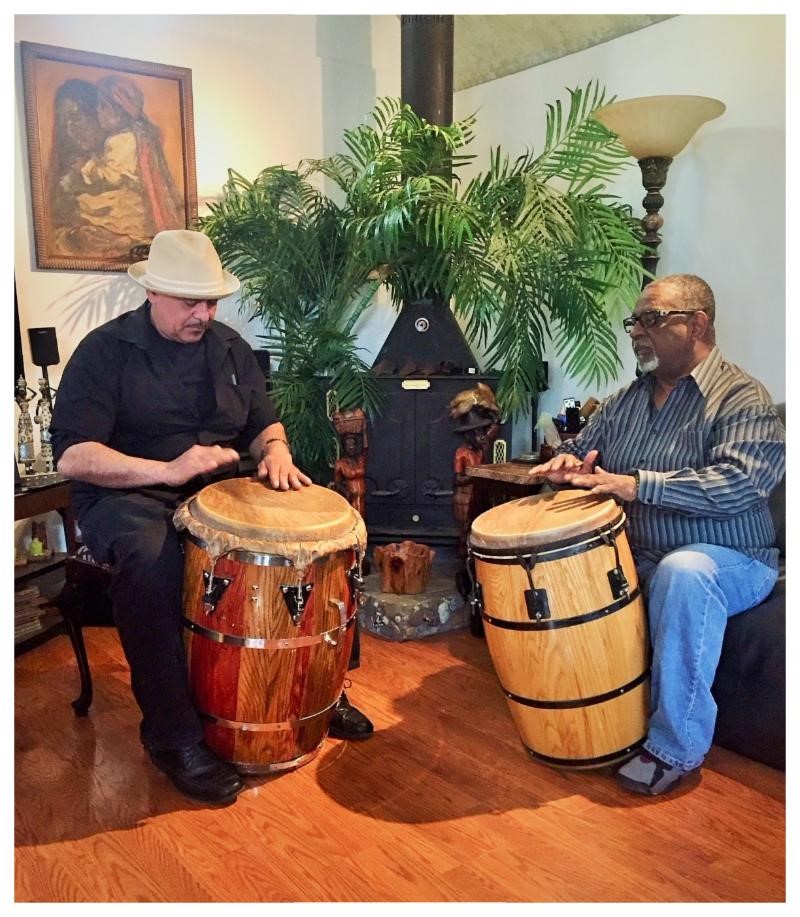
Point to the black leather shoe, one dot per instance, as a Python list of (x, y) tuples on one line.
[(197, 772), (348, 722)]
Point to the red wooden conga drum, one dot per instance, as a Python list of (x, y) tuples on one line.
[(565, 625), (270, 592)]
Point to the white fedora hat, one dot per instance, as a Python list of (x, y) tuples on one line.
[(184, 263)]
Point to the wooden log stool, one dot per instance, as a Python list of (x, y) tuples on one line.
[(405, 567)]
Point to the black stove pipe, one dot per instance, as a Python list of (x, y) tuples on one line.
[(426, 66)]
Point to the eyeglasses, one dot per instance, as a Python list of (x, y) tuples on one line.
[(653, 318)]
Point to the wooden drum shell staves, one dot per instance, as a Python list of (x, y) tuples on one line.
[(268, 648), (571, 654)]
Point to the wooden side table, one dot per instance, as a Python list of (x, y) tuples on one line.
[(500, 483), (35, 502), (40, 500)]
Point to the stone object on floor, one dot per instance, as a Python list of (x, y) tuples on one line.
[(437, 610), (405, 567)]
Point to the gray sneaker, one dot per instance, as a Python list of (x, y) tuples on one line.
[(647, 774)]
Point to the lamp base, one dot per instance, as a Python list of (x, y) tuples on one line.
[(654, 177)]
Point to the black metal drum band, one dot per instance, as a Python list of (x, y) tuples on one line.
[(573, 703), (569, 547), (262, 643), (587, 762), (555, 623)]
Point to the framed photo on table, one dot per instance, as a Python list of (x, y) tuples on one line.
[(111, 150)]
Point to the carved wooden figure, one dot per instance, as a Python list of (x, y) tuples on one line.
[(44, 417), (478, 416), (350, 470), (25, 448)]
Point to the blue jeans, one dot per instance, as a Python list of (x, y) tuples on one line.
[(691, 593)]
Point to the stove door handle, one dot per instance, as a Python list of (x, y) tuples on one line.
[(385, 493), (438, 493)]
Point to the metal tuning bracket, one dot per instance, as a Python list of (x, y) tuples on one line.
[(296, 598), (357, 585), (619, 584), (620, 587), (466, 581), (537, 604), (536, 601), (476, 600), (215, 589), (475, 595)]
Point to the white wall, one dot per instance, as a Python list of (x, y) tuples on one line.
[(724, 211)]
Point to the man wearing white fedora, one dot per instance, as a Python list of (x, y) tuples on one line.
[(152, 406)]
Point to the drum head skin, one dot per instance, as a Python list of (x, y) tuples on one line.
[(253, 509), (246, 514), (543, 519)]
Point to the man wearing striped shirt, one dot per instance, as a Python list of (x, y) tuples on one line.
[(693, 448)]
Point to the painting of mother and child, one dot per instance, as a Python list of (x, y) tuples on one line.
[(111, 187), (113, 155)]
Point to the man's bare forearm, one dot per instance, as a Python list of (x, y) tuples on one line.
[(98, 464), (101, 465)]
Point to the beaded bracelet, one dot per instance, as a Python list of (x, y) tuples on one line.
[(274, 439)]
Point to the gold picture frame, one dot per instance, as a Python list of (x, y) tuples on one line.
[(112, 157)]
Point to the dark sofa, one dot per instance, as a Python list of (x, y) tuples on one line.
[(750, 684)]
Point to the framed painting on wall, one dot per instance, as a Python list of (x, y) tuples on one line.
[(111, 149)]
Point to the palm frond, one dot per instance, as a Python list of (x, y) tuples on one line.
[(590, 356), (577, 148), (530, 249)]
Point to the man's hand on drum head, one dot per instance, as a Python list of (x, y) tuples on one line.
[(566, 463), (600, 481), (277, 468), (198, 460)]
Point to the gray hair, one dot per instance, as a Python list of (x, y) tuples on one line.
[(693, 292)]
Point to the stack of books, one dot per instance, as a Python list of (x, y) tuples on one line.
[(33, 613)]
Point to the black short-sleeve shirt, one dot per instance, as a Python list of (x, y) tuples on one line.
[(124, 388)]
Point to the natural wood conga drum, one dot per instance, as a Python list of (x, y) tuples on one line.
[(565, 625), (270, 593)]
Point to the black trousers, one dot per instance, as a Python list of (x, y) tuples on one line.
[(133, 532)]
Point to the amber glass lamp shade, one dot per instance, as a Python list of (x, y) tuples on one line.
[(658, 125)]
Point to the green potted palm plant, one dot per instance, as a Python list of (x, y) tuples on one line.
[(285, 241), (530, 250)]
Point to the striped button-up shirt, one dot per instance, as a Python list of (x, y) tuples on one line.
[(707, 460)]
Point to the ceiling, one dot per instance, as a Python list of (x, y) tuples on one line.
[(488, 47)]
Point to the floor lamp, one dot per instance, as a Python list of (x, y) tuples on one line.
[(654, 130)]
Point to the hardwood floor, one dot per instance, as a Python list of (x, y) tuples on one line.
[(441, 804)]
